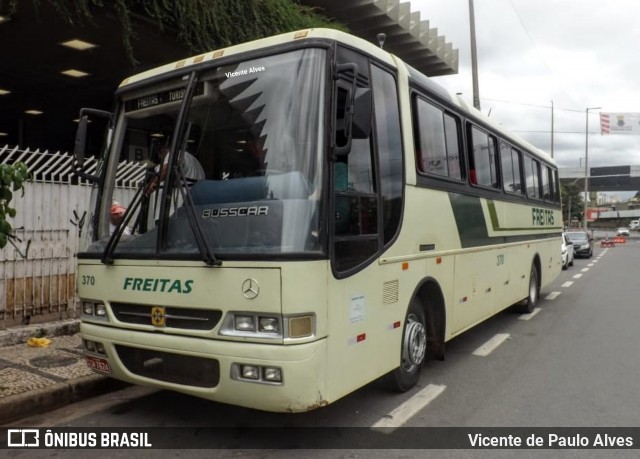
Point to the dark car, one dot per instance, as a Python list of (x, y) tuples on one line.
[(582, 246)]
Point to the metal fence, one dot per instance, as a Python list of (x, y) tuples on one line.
[(37, 266)]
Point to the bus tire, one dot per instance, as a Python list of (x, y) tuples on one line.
[(527, 305), (413, 349)]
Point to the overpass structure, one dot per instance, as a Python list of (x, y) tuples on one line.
[(608, 178)]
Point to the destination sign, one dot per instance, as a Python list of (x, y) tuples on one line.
[(160, 98)]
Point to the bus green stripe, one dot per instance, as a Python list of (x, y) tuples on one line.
[(470, 220), (495, 224), (472, 225)]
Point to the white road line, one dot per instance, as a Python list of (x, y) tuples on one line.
[(400, 415), (553, 295), (590, 265), (567, 284), (577, 276), (535, 311), (584, 270), (488, 347)]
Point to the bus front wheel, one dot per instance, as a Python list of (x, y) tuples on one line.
[(413, 350)]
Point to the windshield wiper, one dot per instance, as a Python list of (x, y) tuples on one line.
[(107, 255), (208, 255)]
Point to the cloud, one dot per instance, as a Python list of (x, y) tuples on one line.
[(576, 53)]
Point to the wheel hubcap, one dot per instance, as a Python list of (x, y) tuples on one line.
[(415, 343), (533, 291)]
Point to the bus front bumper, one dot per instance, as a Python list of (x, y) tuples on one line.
[(213, 369)]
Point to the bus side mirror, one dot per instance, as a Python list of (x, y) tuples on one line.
[(353, 109), (80, 144)]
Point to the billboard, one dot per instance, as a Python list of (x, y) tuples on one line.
[(620, 123)]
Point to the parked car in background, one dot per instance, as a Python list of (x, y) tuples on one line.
[(622, 232), (567, 252), (634, 224), (582, 244)]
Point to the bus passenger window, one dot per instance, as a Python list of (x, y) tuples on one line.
[(437, 141), (531, 168), (510, 160), (482, 158)]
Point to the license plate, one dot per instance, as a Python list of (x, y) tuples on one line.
[(98, 363)]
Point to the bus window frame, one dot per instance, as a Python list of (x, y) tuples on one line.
[(497, 187), (418, 96)]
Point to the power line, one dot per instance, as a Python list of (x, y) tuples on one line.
[(535, 47), (534, 105), (560, 132)]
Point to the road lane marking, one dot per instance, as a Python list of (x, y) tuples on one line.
[(584, 270), (577, 276), (567, 284), (535, 311), (590, 265), (553, 295), (401, 414), (488, 347)]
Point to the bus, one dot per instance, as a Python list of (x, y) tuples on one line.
[(353, 217)]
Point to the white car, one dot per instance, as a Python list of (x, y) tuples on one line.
[(622, 232), (567, 252)]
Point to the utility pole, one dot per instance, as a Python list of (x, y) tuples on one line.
[(474, 57), (586, 166), (552, 129)]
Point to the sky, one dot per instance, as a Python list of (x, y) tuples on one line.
[(574, 54)]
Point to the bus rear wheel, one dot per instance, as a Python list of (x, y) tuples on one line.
[(527, 305), (413, 350)]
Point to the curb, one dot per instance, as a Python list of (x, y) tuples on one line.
[(18, 335), (19, 406), (56, 395)]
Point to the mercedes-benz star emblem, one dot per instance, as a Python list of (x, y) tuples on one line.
[(250, 289)]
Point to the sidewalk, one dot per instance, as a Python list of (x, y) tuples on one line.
[(39, 379)]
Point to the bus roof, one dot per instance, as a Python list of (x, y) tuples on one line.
[(347, 39), (275, 40)]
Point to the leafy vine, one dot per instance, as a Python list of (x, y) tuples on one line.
[(201, 25)]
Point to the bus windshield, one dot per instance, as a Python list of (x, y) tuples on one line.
[(248, 147)]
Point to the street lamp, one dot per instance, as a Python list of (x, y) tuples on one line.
[(586, 166)]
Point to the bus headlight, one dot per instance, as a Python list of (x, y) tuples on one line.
[(250, 372), (94, 310), (260, 374), (268, 325), (245, 323), (87, 308), (272, 374), (90, 345)]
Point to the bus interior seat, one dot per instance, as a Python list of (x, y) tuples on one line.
[(288, 185)]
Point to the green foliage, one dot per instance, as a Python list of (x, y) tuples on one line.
[(202, 25), (571, 201), (12, 178)]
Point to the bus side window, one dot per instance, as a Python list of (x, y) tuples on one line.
[(437, 141), (532, 177), (482, 158)]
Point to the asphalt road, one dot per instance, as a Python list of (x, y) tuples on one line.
[(573, 363)]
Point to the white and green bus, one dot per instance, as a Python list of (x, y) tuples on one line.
[(353, 217)]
